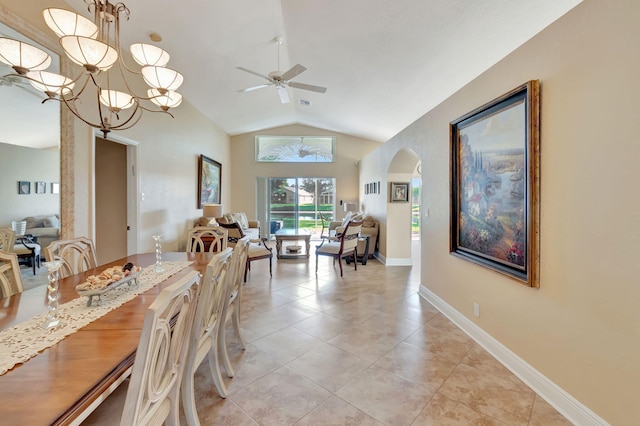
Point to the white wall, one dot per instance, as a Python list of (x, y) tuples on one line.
[(581, 328), (19, 163)]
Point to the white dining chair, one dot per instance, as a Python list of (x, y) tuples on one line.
[(77, 255), (10, 278), (201, 236), (233, 300), (153, 393), (203, 338)]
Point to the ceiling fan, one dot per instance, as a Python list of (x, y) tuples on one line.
[(11, 81), (280, 80)]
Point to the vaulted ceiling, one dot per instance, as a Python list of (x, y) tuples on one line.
[(385, 63)]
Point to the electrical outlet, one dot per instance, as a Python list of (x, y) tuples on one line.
[(476, 309)]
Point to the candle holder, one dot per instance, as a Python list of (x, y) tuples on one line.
[(53, 295), (158, 239)]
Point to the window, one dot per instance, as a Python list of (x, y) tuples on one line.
[(296, 203), (295, 149)]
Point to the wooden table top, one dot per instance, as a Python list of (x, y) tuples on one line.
[(59, 383)]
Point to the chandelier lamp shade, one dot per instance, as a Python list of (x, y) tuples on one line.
[(95, 47), (23, 57)]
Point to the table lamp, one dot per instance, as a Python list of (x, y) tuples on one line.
[(212, 211), (350, 207)]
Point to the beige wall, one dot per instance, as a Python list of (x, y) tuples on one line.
[(245, 170), (581, 328)]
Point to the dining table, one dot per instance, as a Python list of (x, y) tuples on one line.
[(57, 385)]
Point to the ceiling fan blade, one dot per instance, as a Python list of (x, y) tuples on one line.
[(251, 89), (311, 87), (282, 92), (253, 72), (294, 71)]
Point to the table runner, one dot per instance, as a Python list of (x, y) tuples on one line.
[(24, 341)]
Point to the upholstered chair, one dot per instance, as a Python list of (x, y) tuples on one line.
[(24, 247), (346, 245), (258, 248)]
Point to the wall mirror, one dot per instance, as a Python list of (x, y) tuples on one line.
[(36, 140)]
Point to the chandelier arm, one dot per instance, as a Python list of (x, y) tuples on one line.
[(155, 110), (122, 8), (121, 126), (76, 95)]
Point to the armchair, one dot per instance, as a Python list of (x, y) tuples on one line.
[(345, 246), (258, 248)]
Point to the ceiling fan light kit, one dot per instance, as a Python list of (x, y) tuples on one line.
[(280, 80), (95, 46)]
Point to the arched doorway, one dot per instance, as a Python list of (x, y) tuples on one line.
[(403, 214)]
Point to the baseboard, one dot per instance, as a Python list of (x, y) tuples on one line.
[(567, 405)]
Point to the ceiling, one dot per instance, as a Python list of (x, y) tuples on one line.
[(385, 62)]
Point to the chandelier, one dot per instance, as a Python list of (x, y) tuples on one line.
[(95, 46)]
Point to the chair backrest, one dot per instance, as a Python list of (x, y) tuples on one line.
[(209, 308), (200, 236), (153, 393), (10, 278), (349, 238), (19, 226), (238, 263), (235, 232), (76, 254), (7, 240)]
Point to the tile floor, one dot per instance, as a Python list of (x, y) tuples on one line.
[(364, 349)]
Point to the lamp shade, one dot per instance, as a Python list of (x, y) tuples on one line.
[(350, 207), (50, 83), (165, 101), (116, 101), (161, 78), (64, 22), (22, 56), (212, 210), (89, 53), (148, 54)]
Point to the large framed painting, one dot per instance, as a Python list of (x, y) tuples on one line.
[(495, 185), (209, 181)]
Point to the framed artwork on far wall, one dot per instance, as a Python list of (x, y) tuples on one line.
[(399, 192), (495, 185), (209, 181), (55, 188), (24, 187), (41, 187)]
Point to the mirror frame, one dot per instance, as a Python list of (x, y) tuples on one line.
[(67, 138)]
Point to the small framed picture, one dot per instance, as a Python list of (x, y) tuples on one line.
[(55, 188), (41, 187), (399, 192), (24, 187)]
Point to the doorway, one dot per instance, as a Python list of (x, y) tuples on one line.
[(110, 200), (115, 195)]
